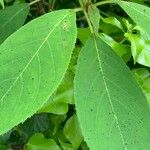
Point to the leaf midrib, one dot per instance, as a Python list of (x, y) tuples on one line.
[(108, 94), (33, 57)]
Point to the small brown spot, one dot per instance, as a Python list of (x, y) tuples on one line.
[(66, 25)]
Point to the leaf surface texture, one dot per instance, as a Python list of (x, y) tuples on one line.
[(33, 62), (113, 112)]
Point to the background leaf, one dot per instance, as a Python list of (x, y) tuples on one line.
[(139, 13), (30, 70), (94, 17), (72, 132), (113, 112), (143, 78), (11, 19), (38, 142), (2, 3)]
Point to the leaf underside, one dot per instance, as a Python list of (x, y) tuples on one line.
[(112, 110), (33, 62)]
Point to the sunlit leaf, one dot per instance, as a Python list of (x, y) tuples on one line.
[(33, 64), (38, 142)]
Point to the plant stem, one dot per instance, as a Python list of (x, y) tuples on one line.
[(105, 2), (86, 15), (33, 2), (78, 9), (89, 22), (97, 4)]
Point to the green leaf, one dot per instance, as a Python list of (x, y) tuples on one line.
[(38, 142), (139, 13), (58, 108), (58, 102), (113, 112), (140, 48), (83, 34), (143, 78), (94, 16), (137, 45), (113, 21), (72, 132), (34, 64), (121, 49), (66, 146), (11, 19), (2, 3)]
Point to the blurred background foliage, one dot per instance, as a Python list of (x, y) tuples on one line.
[(55, 126)]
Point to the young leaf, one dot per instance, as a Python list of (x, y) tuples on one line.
[(72, 132), (33, 63), (137, 45), (113, 112), (11, 19), (38, 142), (143, 78), (113, 21), (94, 17), (139, 13)]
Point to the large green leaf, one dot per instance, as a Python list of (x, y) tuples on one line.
[(11, 19), (139, 13), (33, 62), (113, 112)]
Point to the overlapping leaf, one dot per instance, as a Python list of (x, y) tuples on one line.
[(113, 112), (33, 62), (139, 13), (11, 19)]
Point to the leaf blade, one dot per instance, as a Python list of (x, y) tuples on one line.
[(107, 100), (34, 72), (139, 13), (12, 18)]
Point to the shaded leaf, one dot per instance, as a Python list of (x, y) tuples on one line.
[(113, 21), (83, 34), (30, 70), (11, 19), (72, 132), (110, 106), (143, 78)]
